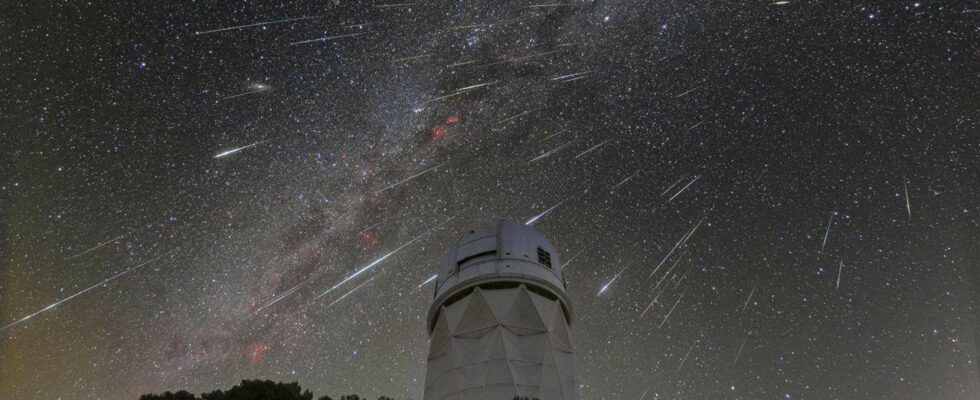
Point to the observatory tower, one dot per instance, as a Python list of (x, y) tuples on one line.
[(499, 322)]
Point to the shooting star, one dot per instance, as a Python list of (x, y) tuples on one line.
[(371, 227), (461, 63), (672, 186), (747, 299), (685, 356), (694, 126), (409, 178), (555, 134), (536, 217), (678, 244), (98, 246), (651, 304), (397, 5), (478, 85), (255, 88), (827, 232), (352, 291), (427, 281), (513, 117), (549, 152), (689, 91), (593, 148), (625, 180), (739, 353), (684, 188), (606, 286), (280, 297), (326, 38), (235, 150), (671, 311), (840, 269), (454, 94), (562, 267), (413, 57), (379, 260), (908, 204), (671, 269), (255, 25), (83, 291), (570, 76)]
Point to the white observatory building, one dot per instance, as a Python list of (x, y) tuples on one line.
[(499, 322)]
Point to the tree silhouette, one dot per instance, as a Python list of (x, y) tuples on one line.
[(247, 390)]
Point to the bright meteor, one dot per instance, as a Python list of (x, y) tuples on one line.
[(83, 291), (235, 150), (379, 260)]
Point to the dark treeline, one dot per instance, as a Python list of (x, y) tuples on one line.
[(258, 390), (252, 390)]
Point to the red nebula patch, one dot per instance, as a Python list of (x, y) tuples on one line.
[(369, 241), (439, 131), (452, 120), (255, 351)]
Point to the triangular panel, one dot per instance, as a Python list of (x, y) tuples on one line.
[(523, 313), (559, 331), (477, 316), (454, 312)]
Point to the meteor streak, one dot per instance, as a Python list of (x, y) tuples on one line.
[(606, 286), (255, 24), (671, 186), (409, 178), (555, 134), (431, 278), (689, 91), (412, 57), (536, 217), (684, 188), (908, 204), (694, 126), (235, 150), (827, 232), (671, 311), (651, 304), (256, 88), (593, 148), (471, 87), (626, 180), (511, 118), (326, 38), (569, 76), (352, 291), (840, 269), (379, 260), (679, 243), (280, 297), (549, 152), (739, 353), (396, 5), (98, 246), (562, 267), (685, 356), (83, 291), (747, 299)]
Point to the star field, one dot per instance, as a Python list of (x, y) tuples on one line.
[(754, 199)]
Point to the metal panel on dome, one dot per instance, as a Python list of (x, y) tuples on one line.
[(499, 321)]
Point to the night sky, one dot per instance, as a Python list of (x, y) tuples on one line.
[(755, 199)]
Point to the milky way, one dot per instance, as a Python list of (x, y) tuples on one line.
[(193, 194)]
